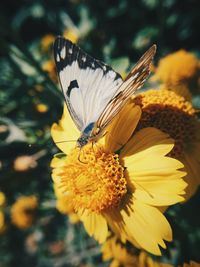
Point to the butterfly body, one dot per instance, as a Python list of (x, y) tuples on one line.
[(86, 135), (93, 91)]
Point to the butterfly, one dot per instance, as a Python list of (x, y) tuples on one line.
[(93, 91)]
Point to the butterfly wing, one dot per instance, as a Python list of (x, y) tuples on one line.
[(87, 84), (133, 82)]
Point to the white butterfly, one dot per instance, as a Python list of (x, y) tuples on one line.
[(94, 92)]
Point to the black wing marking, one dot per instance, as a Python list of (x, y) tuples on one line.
[(87, 84)]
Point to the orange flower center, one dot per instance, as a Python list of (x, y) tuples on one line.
[(171, 114), (94, 177)]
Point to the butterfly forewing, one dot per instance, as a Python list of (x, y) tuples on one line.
[(88, 85), (133, 82)]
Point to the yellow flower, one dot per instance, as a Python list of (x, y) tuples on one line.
[(114, 249), (178, 67), (71, 34), (42, 108), (64, 205), (50, 68), (2, 199), (124, 255), (120, 254), (122, 190), (175, 116), (47, 42), (23, 211)]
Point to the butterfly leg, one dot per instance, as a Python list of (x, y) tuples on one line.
[(94, 143), (105, 134), (79, 157)]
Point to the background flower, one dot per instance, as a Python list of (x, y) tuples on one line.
[(23, 211), (178, 67), (102, 29), (179, 72), (126, 255)]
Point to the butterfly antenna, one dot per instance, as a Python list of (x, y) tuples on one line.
[(59, 142), (93, 143)]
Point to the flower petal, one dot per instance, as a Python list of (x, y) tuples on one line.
[(57, 164), (122, 127), (148, 138), (159, 193), (64, 132), (192, 167), (138, 217), (154, 178), (150, 164), (95, 225)]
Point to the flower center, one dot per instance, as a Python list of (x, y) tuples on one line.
[(94, 177), (171, 114)]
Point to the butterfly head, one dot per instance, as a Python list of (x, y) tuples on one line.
[(90, 134), (86, 135)]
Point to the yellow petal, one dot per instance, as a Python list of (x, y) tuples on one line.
[(151, 164), (151, 173), (154, 178), (160, 193), (57, 164), (147, 225), (65, 132), (148, 138), (122, 127), (192, 167), (95, 225), (73, 218)]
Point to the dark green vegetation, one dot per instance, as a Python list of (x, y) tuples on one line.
[(114, 31)]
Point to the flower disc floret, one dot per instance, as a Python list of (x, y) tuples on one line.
[(170, 113), (96, 179)]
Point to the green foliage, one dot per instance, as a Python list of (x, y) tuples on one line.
[(114, 31)]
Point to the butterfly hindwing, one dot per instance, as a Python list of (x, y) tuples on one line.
[(87, 84), (132, 83)]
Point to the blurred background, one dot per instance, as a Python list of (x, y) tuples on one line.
[(117, 32)]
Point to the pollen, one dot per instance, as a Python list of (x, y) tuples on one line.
[(171, 114), (95, 178)]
